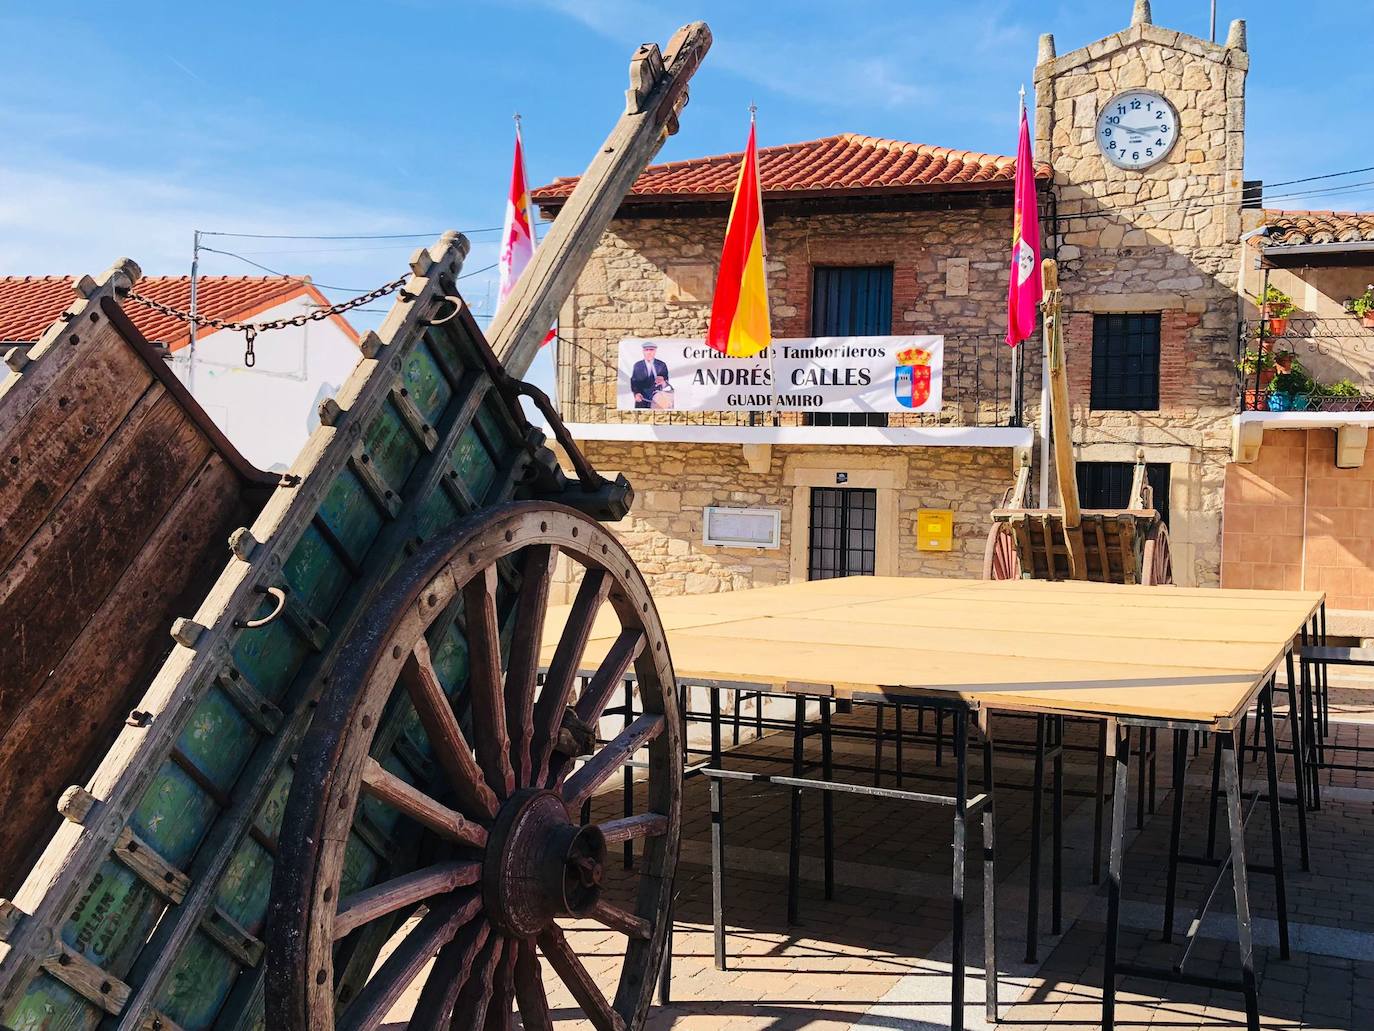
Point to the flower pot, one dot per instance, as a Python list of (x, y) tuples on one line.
[(1280, 402), (1283, 362), (1278, 325), (1256, 400), (1367, 320), (1300, 402)]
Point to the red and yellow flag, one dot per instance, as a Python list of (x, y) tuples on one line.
[(739, 310)]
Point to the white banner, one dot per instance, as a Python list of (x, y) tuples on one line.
[(821, 374)]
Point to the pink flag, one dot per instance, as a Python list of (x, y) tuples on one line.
[(517, 236), (1025, 290)]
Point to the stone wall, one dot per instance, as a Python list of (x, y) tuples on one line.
[(655, 277), (674, 483)]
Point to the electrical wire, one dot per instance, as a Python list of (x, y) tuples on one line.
[(345, 236)]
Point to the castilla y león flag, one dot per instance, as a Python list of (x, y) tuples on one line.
[(739, 310), (1025, 290), (517, 236)]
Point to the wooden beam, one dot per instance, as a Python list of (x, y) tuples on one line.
[(656, 95)]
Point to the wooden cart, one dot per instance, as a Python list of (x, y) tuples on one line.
[(348, 746), (1126, 546)]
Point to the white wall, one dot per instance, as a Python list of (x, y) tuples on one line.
[(268, 411)]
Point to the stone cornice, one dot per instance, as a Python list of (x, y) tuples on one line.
[(1174, 40)]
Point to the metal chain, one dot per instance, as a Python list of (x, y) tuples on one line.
[(250, 330)]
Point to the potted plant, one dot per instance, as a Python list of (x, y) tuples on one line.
[(1275, 309), (1363, 307), (1341, 396), (1284, 361), (1256, 367), (1290, 390)]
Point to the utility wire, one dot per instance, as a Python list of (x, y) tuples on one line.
[(322, 286), (345, 236)]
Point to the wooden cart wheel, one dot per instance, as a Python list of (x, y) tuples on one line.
[(1000, 561), (1157, 564), (505, 854)]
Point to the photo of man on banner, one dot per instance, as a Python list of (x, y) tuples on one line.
[(649, 378)]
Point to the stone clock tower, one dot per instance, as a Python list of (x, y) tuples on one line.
[(1145, 133)]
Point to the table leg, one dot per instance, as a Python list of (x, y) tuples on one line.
[(714, 693), (878, 744), (989, 876), (1142, 781), (960, 844), (1235, 818), (1057, 832), (1037, 807), (1121, 769), (1098, 797), (1180, 764), (1324, 672), (1275, 817), (828, 799), (718, 868), (1212, 801), (794, 838), (1299, 771), (628, 776), (897, 711), (939, 736)]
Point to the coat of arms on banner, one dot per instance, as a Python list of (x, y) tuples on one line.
[(911, 382)]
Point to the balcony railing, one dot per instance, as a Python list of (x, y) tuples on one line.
[(976, 392), (1314, 365)]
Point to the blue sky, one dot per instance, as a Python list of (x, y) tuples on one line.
[(123, 129)]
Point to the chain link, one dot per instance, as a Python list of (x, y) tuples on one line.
[(250, 330)]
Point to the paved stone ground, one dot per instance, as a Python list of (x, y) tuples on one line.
[(876, 956)]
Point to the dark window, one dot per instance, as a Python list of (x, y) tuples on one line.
[(1108, 484), (844, 532), (850, 302), (1125, 362)]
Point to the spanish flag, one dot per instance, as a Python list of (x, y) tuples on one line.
[(739, 310)]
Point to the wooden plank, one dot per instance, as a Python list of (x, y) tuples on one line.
[(151, 868), (102, 674), (87, 543), (523, 320), (85, 978), (46, 452)]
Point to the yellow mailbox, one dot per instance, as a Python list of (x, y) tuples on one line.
[(934, 529)]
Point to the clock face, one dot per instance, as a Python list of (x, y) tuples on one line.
[(1136, 128)]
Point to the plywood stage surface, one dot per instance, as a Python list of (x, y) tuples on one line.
[(1194, 655)]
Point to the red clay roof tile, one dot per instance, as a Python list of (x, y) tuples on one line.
[(1294, 228), (30, 304), (844, 163)]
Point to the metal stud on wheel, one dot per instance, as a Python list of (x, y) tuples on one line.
[(494, 852)]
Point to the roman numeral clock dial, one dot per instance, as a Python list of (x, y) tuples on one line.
[(1136, 128)]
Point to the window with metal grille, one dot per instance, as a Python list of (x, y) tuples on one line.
[(1125, 362), (844, 532), (1108, 484), (850, 302)]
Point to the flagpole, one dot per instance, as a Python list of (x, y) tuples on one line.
[(772, 376), (1015, 415)]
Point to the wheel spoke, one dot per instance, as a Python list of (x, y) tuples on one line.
[(558, 683), (536, 574), (572, 973), (502, 1008), (597, 695), (399, 892), (582, 784), (470, 1010), (486, 685), (451, 970), (395, 975), (410, 800), (450, 747), (621, 920), (646, 825), (529, 990)]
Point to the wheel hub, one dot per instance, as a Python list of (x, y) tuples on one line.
[(540, 865)]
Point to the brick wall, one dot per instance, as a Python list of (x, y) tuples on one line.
[(1294, 521)]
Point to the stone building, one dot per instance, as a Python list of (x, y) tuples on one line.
[(1139, 144)]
